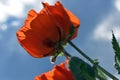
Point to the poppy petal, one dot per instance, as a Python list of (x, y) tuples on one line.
[(73, 18), (57, 73), (60, 16), (39, 41)]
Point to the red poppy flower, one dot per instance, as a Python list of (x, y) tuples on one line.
[(57, 73), (41, 31)]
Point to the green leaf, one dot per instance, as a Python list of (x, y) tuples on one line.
[(117, 53), (81, 69)]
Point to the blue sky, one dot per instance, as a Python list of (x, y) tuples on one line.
[(98, 18)]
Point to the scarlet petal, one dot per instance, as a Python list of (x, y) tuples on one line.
[(31, 15), (39, 36), (20, 33), (63, 18), (57, 73), (59, 16), (75, 21)]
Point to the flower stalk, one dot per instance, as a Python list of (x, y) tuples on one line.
[(92, 61), (66, 54)]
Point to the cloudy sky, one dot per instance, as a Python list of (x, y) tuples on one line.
[(98, 19)]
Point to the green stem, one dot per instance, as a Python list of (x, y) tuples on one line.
[(92, 61), (67, 55)]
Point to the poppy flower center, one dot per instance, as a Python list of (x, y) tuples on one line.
[(48, 43)]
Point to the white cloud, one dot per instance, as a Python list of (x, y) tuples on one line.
[(103, 31), (3, 27), (117, 4), (16, 8), (15, 23), (10, 8), (27, 1)]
